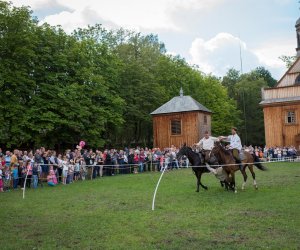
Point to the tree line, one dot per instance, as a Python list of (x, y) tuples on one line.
[(101, 85)]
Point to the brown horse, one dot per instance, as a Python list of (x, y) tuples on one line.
[(226, 158)]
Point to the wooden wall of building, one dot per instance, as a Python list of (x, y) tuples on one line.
[(192, 128), (277, 132), (274, 93)]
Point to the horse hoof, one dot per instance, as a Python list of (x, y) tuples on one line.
[(256, 187), (235, 191), (197, 191)]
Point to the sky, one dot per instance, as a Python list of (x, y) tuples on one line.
[(209, 33)]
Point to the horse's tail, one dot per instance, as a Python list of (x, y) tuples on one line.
[(257, 163)]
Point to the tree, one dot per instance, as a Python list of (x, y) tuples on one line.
[(248, 97), (288, 60), (17, 42), (213, 95), (56, 88), (230, 80), (261, 72)]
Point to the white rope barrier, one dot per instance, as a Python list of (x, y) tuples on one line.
[(156, 188)]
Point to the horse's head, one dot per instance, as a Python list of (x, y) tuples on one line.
[(214, 153), (183, 151), (194, 158), (217, 147), (219, 150)]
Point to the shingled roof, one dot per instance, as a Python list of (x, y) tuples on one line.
[(180, 103)]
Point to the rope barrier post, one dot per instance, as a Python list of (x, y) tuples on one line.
[(154, 195)]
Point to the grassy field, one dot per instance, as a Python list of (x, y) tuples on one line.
[(115, 213)]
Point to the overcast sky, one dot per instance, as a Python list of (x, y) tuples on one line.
[(208, 33)]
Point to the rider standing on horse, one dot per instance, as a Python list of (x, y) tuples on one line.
[(206, 144), (235, 144)]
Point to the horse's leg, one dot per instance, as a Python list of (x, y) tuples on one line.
[(253, 176), (233, 182), (245, 176), (198, 181), (228, 182), (205, 187)]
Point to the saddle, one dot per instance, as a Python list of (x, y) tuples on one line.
[(242, 155)]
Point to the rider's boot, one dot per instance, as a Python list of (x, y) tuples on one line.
[(240, 164)]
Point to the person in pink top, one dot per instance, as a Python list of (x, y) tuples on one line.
[(53, 175), (51, 178)]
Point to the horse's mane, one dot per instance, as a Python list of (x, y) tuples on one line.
[(224, 150)]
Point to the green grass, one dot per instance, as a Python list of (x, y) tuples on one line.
[(115, 213)]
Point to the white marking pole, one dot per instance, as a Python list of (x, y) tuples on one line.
[(25, 183), (154, 196)]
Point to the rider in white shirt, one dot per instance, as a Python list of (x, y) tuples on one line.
[(206, 144), (235, 144)]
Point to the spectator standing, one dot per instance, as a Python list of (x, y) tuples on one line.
[(76, 169), (15, 175), (131, 160), (35, 175), (142, 158), (7, 158), (65, 170), (108, 164)]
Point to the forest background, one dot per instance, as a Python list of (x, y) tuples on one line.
[(101, 85)]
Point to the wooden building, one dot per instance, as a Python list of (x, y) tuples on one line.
[(180, 120), (281, 106)]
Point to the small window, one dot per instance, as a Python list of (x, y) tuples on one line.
[(205, 120), (290, 117), (297, 81), (176, 127)]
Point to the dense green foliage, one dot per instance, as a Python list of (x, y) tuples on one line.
[(115, 213), (99, 85)]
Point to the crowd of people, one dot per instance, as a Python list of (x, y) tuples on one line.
[(46, 166), (273, 152)]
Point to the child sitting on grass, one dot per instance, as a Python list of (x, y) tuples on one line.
[(53, 175), (50, 179)]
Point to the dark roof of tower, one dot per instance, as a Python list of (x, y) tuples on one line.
[(180, 104)]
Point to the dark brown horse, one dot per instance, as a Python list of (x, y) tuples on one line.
[(197, 162), (226, 159)]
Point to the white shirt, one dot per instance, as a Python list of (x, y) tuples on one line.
[(235, 142), (207, 144), (64, 165)]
